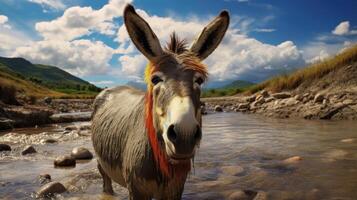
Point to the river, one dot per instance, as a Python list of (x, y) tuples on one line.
[(237, 152)]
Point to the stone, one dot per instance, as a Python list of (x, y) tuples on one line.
[(65, 161), (348, 140), (48, 141), (348, 102), (218, 108), (44, 178), (29, 149), (250, 99), (292, 160), (264, 93), (5, 147), (258, 102), (71, 128), (81, 153), (50, 189), (281, 95), (243, 106), (232, 170), (243, 195), (47, 100), (318, 98), (269, 99), (298, 97)]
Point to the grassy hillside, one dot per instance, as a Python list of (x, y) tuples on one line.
[(311, 73), (48, 76), (228, 90)]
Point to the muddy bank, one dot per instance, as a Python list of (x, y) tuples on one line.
[(336, 105), (44, 111)]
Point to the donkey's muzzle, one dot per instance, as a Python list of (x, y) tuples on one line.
[(183, 141)]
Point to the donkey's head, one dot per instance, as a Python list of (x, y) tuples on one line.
[(174, 76)]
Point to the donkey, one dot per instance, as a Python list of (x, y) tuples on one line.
[(146, 141)]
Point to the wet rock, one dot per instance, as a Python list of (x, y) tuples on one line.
[(218, 108), (5, 147), (48, 141), (65, 161), (243, 195), (348, 140), (232, 170), (28, 150), (318, 98), (50, 189), (44, 178), (281, 95), (81, 153), (292, 160)]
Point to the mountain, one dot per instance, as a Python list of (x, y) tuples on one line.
[(228, 89), (49, 76), (138, 85)]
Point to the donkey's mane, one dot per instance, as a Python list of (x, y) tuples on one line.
[(176, 44)]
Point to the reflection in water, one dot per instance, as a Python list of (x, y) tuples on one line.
[(238, 152)]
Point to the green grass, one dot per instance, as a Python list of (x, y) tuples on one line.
[(233, 88), (307, 74)]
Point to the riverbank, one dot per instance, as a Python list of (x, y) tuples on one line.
[(45, 111), (338, 105)]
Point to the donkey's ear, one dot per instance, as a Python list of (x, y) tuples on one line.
[(141, 34), (211, 36)]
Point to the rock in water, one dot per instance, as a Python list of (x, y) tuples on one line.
[(44, 178), (50, 189), (81, 153), (5, 147), (48, 141), (218, 108), (28, 150), (243, 195), (292, 160), (65, 161)]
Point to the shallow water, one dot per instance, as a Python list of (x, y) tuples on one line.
[(238, 152)]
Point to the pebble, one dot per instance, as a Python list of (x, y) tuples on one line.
[(44, 178), (218, 108), (50, 189), (29, 149), (81, 153), (65, 161), (232, 170), (48, 141), (292, 160), (348, 140), (5, 147)]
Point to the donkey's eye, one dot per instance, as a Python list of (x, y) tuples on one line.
[(199, 81), (155, 79)]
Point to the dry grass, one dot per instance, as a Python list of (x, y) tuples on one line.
[(20, 87), (308, 74)]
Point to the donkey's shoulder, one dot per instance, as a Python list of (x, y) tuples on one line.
[(104, 95)]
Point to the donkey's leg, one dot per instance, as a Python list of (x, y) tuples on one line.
[(134, 194), (107, 182)]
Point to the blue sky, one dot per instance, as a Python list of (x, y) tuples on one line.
[(88, 39)]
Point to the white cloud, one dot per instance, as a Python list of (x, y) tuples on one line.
[(3, 22), (265, 30), (344, 29), (238, 57), (78, 21), (80, 57), (53, 4), (102, 82)]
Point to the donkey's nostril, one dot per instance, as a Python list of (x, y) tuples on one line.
[(171, 134), (198, 134)]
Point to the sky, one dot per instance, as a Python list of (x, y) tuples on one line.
[(88, 38)]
